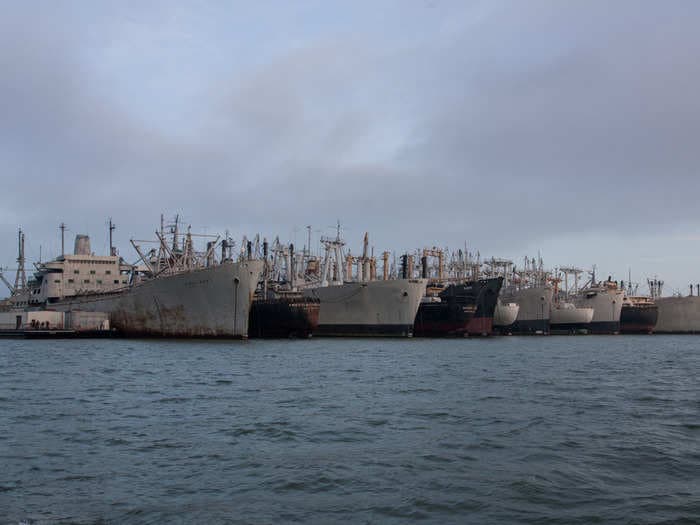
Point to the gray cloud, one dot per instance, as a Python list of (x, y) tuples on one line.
[(503, 124)]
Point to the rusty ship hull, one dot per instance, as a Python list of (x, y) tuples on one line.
[(283, 317), (208, 302), (373, 308)]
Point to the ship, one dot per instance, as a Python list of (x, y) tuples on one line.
[(639, 313), (376, 308), (458, 309), (283, 316), (530, 290), (173, 292), (638, 316), (482, 322), (606, 299), (677, 314), (358, 303), (565, 317), (280, 309)]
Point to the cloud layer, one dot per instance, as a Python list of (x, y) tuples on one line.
[(506, 124)]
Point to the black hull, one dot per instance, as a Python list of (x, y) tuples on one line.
[(569, 328), (465, 309), (283, 317), (482, 322), (604, 327), (442, 319), (638, 319)]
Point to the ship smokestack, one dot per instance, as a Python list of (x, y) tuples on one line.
[(82, 245), (404, 266), (292, 265), (424, 267)]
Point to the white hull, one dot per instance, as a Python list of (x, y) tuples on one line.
[(369, 308), (505, 314), (566, 316)]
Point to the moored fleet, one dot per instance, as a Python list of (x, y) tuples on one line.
[(187, 285)]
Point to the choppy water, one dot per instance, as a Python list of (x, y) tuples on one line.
[(541, 430)]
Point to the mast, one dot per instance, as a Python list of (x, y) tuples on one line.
[(112, 226), (20, 276), (62, 227), (175, 233), (308, 230)]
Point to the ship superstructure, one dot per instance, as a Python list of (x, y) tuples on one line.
[(565, 316)]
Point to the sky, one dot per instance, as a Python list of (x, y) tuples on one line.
[(569, 129)]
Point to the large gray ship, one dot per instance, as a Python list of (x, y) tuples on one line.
[(676, 314), (173, 292), (534, 304), (606, 300), (377, 308), (354, 300), (529, 289)]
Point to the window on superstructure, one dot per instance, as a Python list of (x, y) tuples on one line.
[(71, 281), (86, 281), (99, 281), (116, 281), (57, 281), (92, 272), (108, 272), (76, 271)]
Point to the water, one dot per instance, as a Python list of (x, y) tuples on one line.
[(504, 430)]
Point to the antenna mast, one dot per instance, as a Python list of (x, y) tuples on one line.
[(20, 276), (112, 226), (308, 228), (62, 227)]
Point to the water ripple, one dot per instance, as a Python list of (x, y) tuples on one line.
[(527, 430)]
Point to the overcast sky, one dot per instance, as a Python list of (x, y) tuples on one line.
[(572, 128)]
